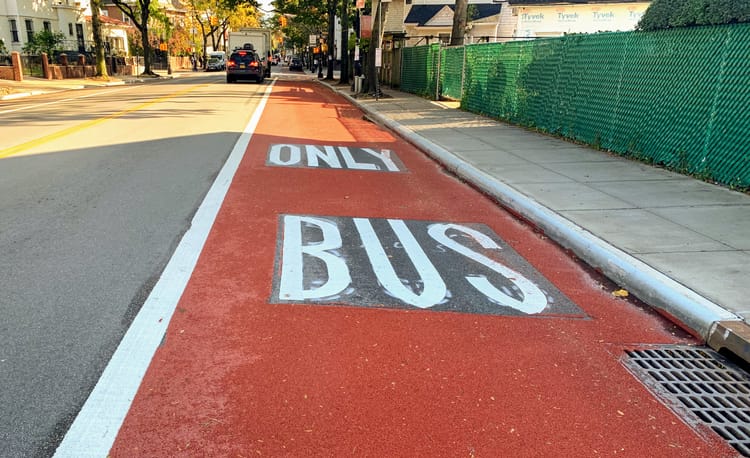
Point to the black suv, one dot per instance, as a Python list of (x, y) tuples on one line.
[(295, 64), (245, 64)]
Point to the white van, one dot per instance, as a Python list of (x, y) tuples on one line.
[(217, 60)]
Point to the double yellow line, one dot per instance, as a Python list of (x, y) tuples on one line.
[(85, 125)]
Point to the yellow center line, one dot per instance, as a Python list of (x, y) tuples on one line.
[(79, 127)]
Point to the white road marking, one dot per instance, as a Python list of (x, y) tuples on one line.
[(54, 102), (288, 155), (434, 289), (534, 300), (337, 271), (292, 269), (95, 428)]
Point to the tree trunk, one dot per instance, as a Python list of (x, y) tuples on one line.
[(459, 22), (344, 78), (331, 42), (146, 44), (96, 26)]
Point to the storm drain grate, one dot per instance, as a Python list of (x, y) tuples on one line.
[(704, 383)]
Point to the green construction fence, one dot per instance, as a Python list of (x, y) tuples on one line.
[(678, 98)]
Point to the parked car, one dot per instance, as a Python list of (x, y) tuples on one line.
[(295, 64), (245, 64), (217, 61)]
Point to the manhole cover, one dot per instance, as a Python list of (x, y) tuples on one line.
[(700, 381)]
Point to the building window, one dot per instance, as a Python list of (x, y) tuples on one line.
[(116, 44), (14, 31), (70, 29), (47, 26), (29, 29)]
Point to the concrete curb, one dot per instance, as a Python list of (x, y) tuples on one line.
[(18, 95), (680, 304)]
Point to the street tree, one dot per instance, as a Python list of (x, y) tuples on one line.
[(96, 26), (304, 18), (312, 17), (215, 17), (139, 12), (459, 22), (345, 12), (243, 16), (210, 16), (330, 38), (665, 14)]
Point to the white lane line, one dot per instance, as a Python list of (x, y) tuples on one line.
[(95, 428)]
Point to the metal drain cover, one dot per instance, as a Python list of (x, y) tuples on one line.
[(702, 382)]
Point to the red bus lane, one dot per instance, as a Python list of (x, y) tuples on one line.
[(352, 299)]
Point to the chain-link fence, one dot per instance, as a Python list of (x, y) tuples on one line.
[(419, 69), (675, 97), (452, 71)]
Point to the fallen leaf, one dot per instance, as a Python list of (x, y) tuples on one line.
[(620, 293)]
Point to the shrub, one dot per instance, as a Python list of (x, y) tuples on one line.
[(44, 41), (665, 14)]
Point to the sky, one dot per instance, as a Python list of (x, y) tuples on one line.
[(266, 6)]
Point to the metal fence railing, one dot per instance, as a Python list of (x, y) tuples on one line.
[(32, 65)]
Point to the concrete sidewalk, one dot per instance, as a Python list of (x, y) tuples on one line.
[(677, 243)]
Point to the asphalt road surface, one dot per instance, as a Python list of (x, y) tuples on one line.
[(96, 189)]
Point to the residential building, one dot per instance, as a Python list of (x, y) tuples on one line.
[(430, 21), (115, 33), (545, 18), (21, 19), (417, 22)]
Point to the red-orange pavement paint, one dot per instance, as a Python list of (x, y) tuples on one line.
[(238, 376)]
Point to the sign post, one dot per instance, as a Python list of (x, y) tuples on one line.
[(378, 64)]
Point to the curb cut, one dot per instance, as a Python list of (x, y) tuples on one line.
[(682, 305)]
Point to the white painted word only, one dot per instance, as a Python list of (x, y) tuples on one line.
[(334, 157)]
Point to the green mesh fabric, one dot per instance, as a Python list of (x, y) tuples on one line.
[(451, 72), (678, 97), (419, 69)]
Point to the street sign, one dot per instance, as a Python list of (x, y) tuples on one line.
[(313, 40), (378, 57)]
